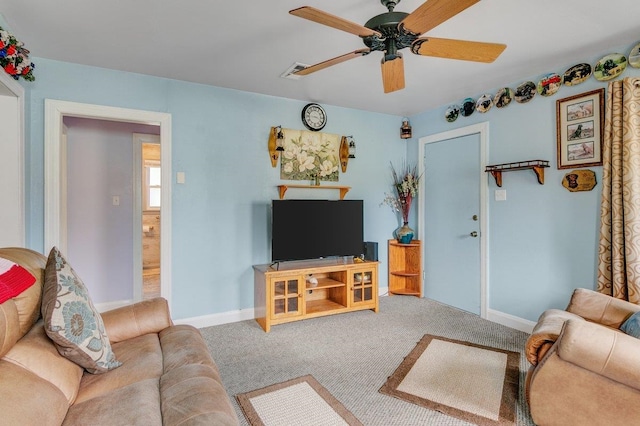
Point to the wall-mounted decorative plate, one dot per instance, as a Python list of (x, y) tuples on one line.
[(484, 103), (525, 92), (451, 114), (468, 106), (549, 84), (576, 74), (634, 56), (579, 180), (503, 97), (610, 67)]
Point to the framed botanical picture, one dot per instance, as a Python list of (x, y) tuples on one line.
[(308, 155), (580, 127)]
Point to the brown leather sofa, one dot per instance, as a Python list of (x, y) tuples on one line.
[(167, 377), (585, 371)]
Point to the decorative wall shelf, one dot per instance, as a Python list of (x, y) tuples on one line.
[(536, 165), (282, 189)]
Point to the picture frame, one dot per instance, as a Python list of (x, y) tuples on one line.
[(580, 129)]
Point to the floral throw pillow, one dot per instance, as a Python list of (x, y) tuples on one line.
[(71, 320)]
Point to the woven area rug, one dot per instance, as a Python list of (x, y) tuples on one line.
[(300, 401), (474, 383)]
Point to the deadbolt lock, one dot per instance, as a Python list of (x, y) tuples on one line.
[(474, 217)]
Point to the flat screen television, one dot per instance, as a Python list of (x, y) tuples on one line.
[(313, 229)]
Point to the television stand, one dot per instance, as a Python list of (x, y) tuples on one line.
[(290, 294)]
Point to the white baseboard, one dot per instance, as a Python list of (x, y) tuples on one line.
[(510, 321), (218, 319)]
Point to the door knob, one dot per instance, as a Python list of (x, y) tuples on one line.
[(474, 234)]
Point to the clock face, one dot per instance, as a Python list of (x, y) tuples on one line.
[(314, 117)]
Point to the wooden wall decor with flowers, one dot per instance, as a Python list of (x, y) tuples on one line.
[(14, 58), (310, 155)]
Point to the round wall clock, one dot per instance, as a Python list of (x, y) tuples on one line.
[(314, 117)]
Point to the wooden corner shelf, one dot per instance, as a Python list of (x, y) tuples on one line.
[(282, 189), (537, 166), (405, 268)]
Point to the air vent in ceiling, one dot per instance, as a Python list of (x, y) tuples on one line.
[(289, 73)]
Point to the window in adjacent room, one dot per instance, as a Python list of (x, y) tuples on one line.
[(152, 184)]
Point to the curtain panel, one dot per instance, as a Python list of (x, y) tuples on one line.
[(619, 244)]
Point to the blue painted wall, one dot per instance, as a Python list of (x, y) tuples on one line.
[(221, 215), (543, 238)]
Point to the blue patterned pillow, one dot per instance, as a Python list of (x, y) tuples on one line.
[(71, 320), (632, 325)]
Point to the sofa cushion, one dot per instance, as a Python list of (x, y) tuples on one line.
[(71, 320), (141, 359), (27, 399), (632, 325), (191, 388), (136, 404), (194, 395), (14, 279), (36, 353)]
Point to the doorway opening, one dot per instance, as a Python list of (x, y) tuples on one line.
[(151, 202), (56, 208)]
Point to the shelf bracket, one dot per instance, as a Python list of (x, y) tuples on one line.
[(497, 175), (539, 171)]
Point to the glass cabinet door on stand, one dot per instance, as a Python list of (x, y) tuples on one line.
[(287, 296), (363, 286)]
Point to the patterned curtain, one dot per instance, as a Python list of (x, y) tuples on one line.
[(619, 251)]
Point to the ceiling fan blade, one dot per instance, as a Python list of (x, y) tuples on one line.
[(432, 13), (457, 49), (317, 15), (333, 61), (393, 74)]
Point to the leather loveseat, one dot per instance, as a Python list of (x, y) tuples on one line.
[(584, 369), (167, 376)]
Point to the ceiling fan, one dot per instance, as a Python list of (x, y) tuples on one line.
[(392, 31)]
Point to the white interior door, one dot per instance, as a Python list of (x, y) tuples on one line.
[(453, 220)]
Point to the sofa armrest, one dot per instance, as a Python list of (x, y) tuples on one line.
[(600, 308), (126, 322), (601, 350), (546, 332)]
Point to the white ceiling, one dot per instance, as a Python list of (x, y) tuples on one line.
[(248, 44)]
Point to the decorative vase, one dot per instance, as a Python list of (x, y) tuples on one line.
[(404, 234)]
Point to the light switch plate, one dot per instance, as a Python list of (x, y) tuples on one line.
[(180, 178), (501, 194)]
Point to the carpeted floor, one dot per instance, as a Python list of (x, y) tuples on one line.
[(353, 354)]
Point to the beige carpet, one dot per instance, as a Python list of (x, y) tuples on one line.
[(300, 401), (474, 383)]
